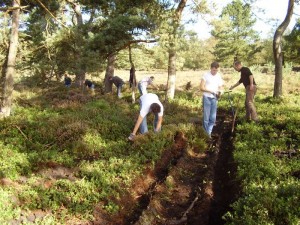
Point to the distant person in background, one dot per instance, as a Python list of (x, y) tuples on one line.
[(118, 82), (212, 86), (148, 103), (90, 85), (248, 81), (67, 80), (143, 84)]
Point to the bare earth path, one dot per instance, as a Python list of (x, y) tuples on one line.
[(186, 186)]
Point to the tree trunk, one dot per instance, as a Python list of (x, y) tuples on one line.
[(172, 51), (8, 84), (81, 67), (133, 82), (110, 69), (277, 50), (132, 77), (171, 73)]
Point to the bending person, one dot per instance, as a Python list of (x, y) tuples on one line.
[(143, 84), (148, 103)]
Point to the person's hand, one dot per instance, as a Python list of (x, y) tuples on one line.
[(217, 94), (231, 87), (131, 137)]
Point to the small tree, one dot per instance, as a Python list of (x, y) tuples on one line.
[(235, 34), (277, 51), (292, 44), (175, 22), (8, 68)]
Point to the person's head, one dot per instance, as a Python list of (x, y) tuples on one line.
[(110, 77), (155, 108), (152, 78), (214, 67), (237, 65)]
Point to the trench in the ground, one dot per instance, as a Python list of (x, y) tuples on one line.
[(225, 185), (208, 209), (161, 171)]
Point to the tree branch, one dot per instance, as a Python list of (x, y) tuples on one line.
[(8, 9), (47, 10), (134, 42)]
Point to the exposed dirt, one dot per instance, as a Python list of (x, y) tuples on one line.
[(186, 186)]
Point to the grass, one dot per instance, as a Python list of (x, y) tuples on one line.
[(64, 151)]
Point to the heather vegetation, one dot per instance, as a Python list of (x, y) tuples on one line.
[(65, 151), (65, 157)]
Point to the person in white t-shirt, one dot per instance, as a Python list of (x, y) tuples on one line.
[(148, 103), (143, 84), (212, 86)]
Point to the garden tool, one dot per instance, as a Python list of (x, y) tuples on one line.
[(234, 112), (230, 101)]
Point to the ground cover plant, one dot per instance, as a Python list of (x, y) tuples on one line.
[(64, 151), (66, 159), (267, 155)]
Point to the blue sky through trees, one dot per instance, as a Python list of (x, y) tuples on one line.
[(269, 14)]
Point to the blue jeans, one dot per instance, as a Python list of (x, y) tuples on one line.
[(144, 125), (119, 90), (142, 89), (209, 113)]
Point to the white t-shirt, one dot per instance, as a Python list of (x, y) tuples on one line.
[(146, 101), (212, 83), (146, 81)]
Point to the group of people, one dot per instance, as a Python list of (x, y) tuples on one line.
[(212, 87), (87, 83)]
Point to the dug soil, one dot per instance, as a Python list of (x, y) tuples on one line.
[(187, 186)]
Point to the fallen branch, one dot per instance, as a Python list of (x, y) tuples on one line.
[(183, 219)]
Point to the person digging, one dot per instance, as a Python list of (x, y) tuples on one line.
[(148, 103)]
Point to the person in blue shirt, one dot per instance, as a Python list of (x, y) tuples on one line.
[(67, 80)]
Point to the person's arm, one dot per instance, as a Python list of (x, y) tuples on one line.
[(154, 86), (221, 91), (203, 87), (137, 124), (159, 122), (251, 82), (235, 85)]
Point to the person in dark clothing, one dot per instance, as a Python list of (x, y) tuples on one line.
[(89, 84), (67, 80), (118, 82), (248, 81), (132, 78)]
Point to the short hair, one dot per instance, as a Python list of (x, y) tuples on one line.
[(155, 108), (152, 77), (214, 65), (236, 63)]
